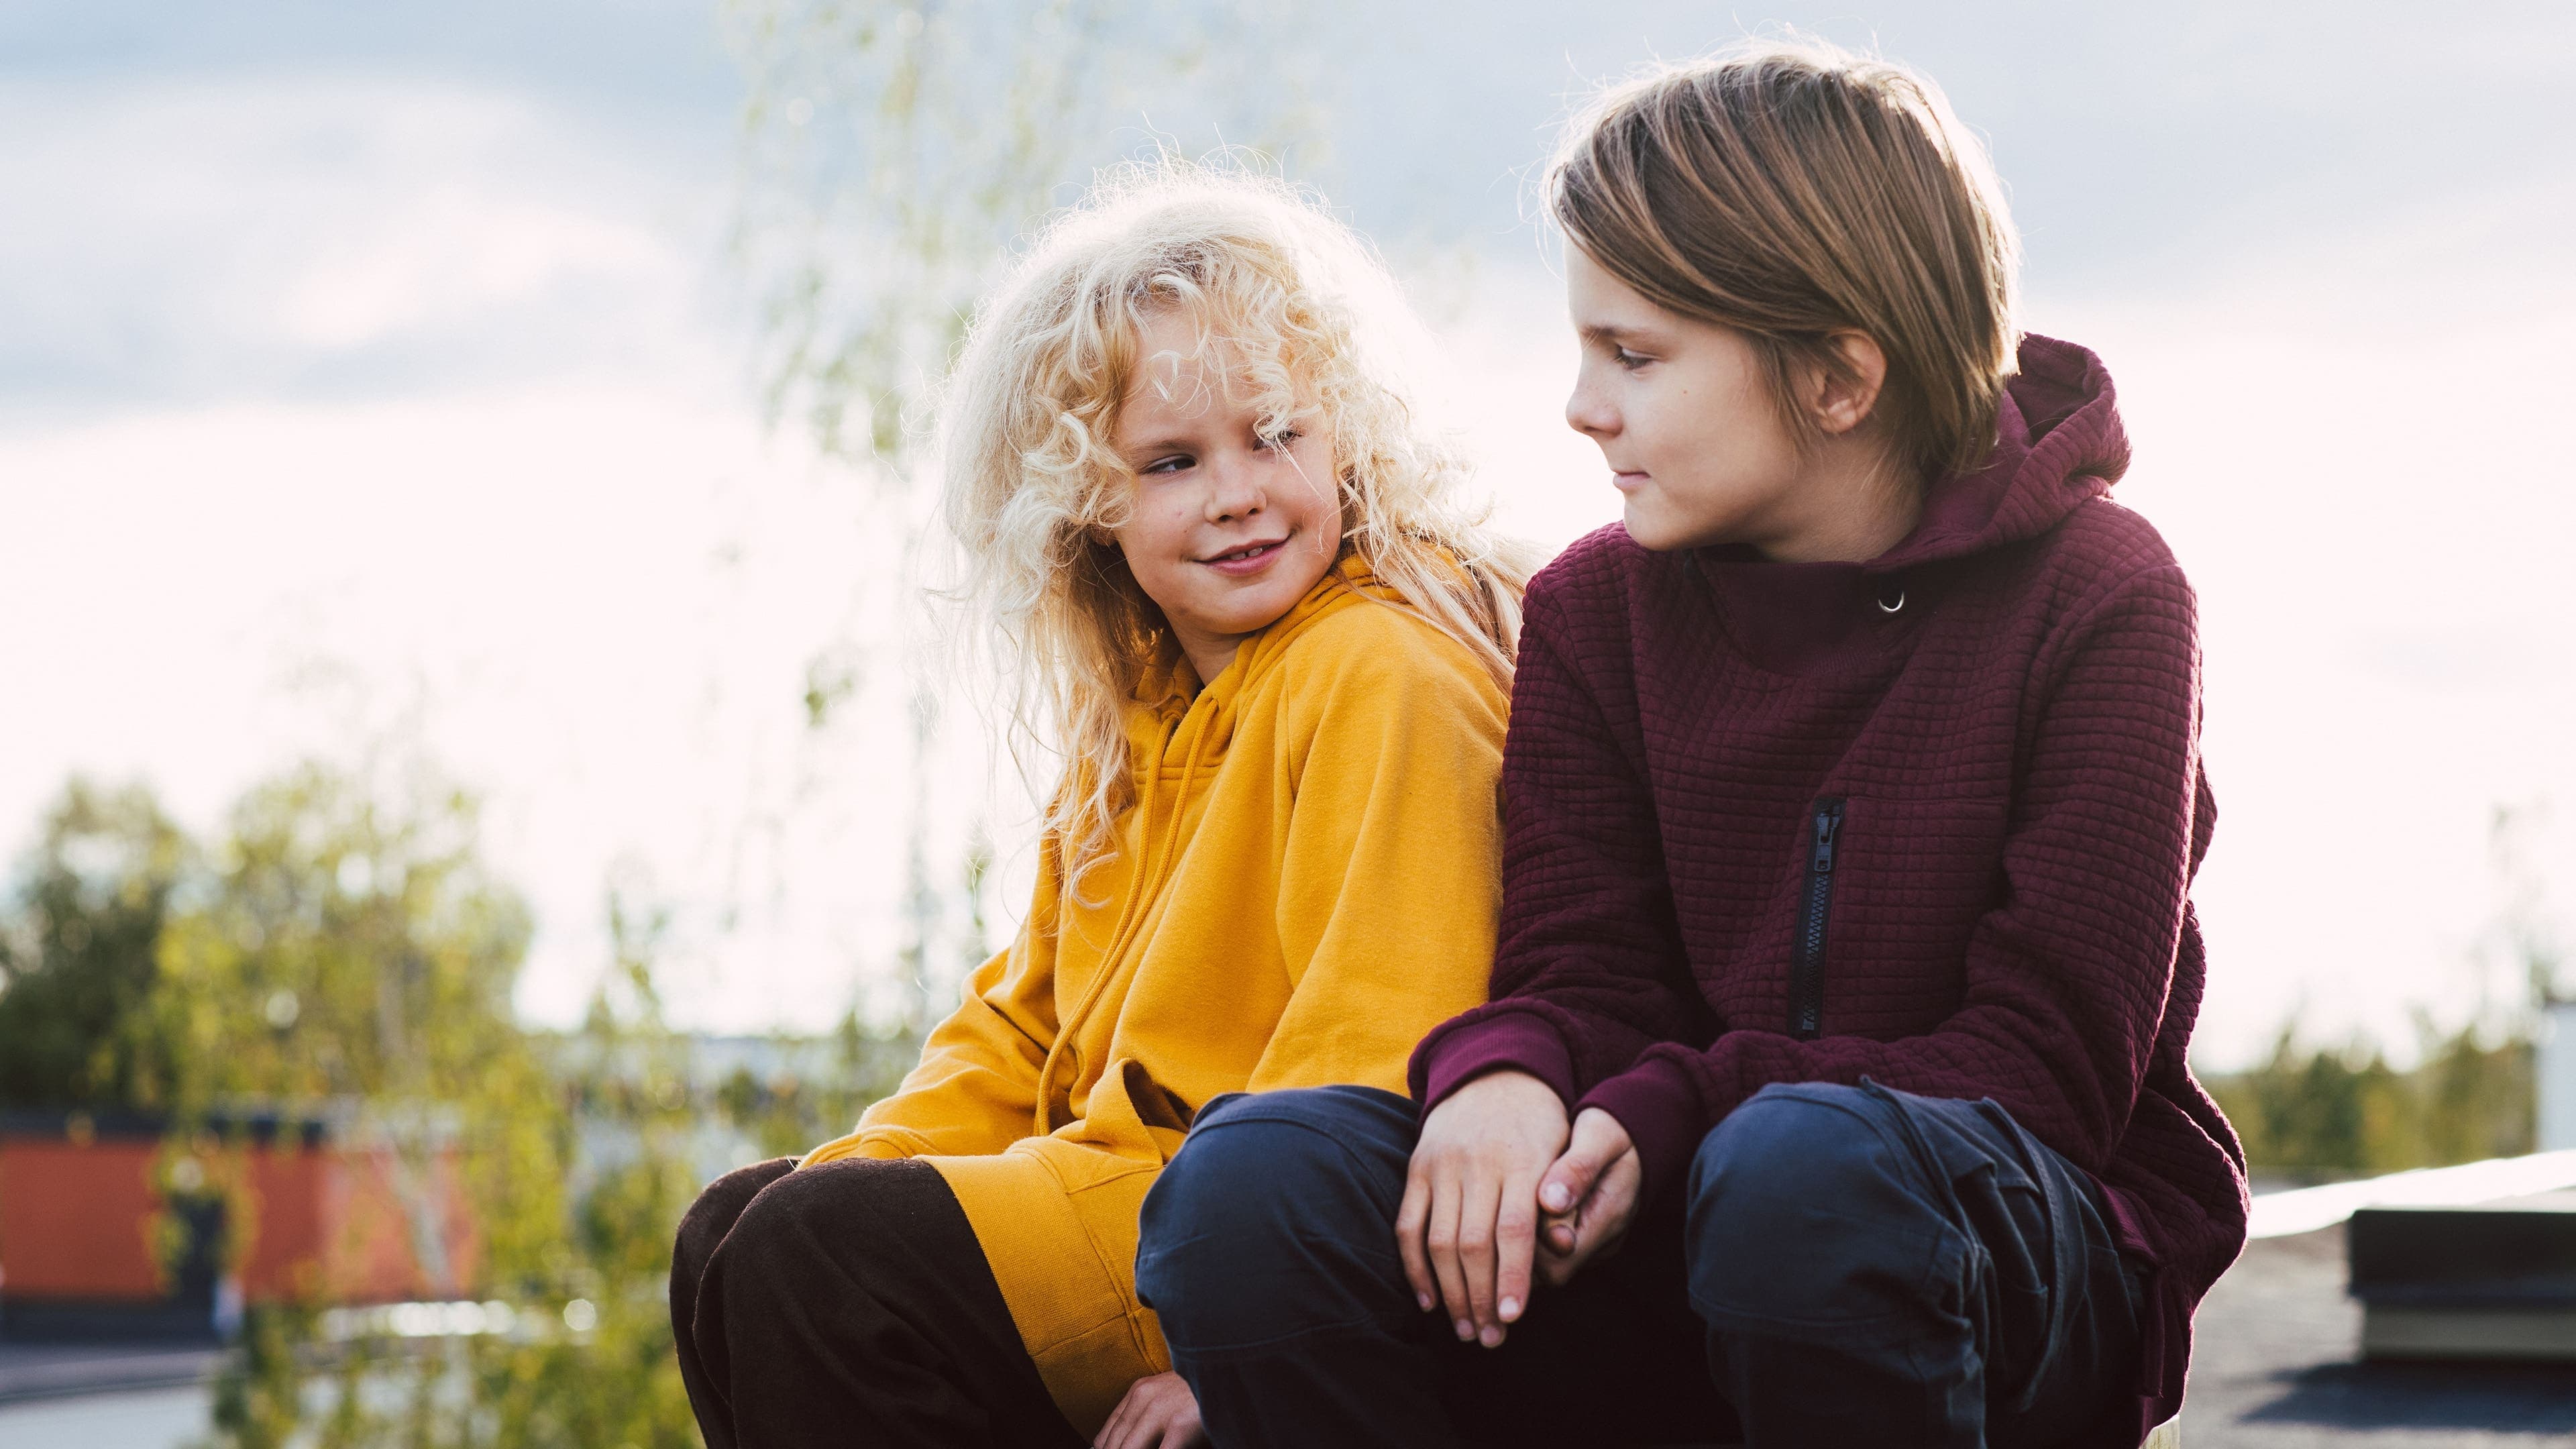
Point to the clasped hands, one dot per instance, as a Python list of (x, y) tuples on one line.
[(1501, 1187)]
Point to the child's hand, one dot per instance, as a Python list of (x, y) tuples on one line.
[(1469, 1222), (1589, 1195), (1159, 1412)]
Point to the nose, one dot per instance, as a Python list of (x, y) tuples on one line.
[(1588, 410), (1235, 489)]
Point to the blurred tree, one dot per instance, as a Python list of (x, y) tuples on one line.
[(2328, 1111), (351, 946), (894, 150), (353, 956), (78, 954)]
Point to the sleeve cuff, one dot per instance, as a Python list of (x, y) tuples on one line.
[(1659, 1105), (1516, 1041)]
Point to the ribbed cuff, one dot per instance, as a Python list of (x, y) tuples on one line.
[(1658, 1103), (1515, 1040)]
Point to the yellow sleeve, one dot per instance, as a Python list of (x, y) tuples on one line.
[(1391, 868), (976, 1089)]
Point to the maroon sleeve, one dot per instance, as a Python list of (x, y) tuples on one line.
[(2065, 981), (1587, 963)]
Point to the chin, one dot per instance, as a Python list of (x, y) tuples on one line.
[(1251, 615), (1653, 532), (1669, 530)]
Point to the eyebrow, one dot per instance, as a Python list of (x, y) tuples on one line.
[(1603, 334)]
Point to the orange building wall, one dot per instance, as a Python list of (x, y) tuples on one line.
[(75, 1221), (76, 1224)]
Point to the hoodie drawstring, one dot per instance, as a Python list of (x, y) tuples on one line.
[(1151, 868)]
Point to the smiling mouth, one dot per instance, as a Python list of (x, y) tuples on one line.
[(1250, 553)]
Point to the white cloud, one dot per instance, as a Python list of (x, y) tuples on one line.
[(335, 235)]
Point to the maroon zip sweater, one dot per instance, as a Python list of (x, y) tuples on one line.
[(1931, 819)]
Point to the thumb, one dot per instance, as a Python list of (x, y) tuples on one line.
[(1598, 1141)]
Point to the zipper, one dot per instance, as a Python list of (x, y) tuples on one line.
[(1815, 904)]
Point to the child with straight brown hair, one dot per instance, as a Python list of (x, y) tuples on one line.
[(1834, 1090)]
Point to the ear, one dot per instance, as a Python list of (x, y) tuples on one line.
[(1842, 398)]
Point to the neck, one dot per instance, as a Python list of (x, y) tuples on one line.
[(1208, 654), (1854, 505)]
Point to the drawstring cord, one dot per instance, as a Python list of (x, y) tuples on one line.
[(1151, 867)]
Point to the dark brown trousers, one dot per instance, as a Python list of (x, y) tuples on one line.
[(849, 1305)]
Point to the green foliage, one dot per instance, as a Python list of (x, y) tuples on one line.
[(350, 946), (78, 956), (2346, 1111), (349, 955), (352, 956), (787, 1112)]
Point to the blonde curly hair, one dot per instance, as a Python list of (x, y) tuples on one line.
[(1307, 323)]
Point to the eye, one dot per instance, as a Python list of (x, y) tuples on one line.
[(1172, 464), (1629, 360), (1280, 439)]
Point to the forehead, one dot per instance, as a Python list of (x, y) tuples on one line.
[(1599, 300), (1181, 376), (1173, 346)]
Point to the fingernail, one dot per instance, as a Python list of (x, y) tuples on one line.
[(1509, 1308), (1491, 1338), (1554, 1194), (1424, 1299), (1466, 1330)]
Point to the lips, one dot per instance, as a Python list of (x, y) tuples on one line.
[(1246, 558), (1627, 482)]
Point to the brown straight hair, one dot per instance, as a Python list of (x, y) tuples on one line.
[(1792, 190)]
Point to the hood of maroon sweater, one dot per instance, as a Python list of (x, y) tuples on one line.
[(2058, 444)]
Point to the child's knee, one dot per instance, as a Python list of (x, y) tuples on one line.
[(718, 1208), (1244, 1176), (1268, 1193), (1803, 1208), (792, 1228)]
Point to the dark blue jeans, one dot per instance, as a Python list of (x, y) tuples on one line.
[(1845, 1265)]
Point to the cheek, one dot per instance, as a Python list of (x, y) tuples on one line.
[(1311, 497), (1150, 538)]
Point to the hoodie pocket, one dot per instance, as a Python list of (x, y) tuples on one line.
[(1889, 893)]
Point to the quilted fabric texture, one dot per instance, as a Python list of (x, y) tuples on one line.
[(2007, 707)]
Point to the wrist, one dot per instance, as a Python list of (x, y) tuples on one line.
[(1508, 1087), (1657, 1107)]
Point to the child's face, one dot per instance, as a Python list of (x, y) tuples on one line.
[(1684, 418), (1228, 529)]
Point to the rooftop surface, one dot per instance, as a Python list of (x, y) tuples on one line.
[(2274, 1368)]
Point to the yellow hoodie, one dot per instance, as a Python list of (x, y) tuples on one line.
[(1304, 888)]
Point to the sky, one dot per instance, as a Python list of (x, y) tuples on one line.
[(385, 373)]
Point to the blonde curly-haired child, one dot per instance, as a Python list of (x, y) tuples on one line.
[(1207, 519)]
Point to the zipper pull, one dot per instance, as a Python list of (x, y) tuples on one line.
[(1829, 819)]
